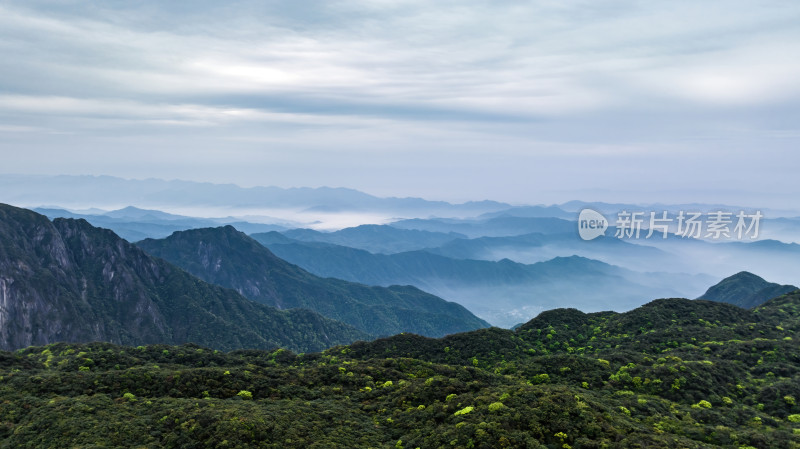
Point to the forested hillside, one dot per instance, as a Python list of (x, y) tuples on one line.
[(673, 373)]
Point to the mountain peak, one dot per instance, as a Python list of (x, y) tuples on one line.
[(66, 280), (745, 289), (229, 258)]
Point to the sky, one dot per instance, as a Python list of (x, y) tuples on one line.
[(525, 102)]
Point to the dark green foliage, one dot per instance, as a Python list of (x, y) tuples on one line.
[(231, 259), (745, 290), (722, 377)]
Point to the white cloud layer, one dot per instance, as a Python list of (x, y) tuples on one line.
[(519, 101)]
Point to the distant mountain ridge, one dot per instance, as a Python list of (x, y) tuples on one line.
[(376, 238), (410, 266), (746, 290), (133, 223), (69, 281), (493, 226), (101, 191), (229, 258), (503, 292)]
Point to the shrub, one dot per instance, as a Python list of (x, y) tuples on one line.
[(541, 379), (244, 394), (496, 406), (464, 411)]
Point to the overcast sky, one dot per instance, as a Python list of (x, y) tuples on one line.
[(529, 102)]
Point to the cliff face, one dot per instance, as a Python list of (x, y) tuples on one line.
[(118, 282), (43, 296), (69, 281)]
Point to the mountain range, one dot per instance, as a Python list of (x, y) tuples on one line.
[(230, 258), (134, 224), (376, 238), (492, 226), (115, 346), (157, 193), (66, 280), (502, 292)]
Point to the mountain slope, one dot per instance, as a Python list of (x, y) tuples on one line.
[(672, 373), (653, 327), (231, 259), (746, 290), (69, 281)]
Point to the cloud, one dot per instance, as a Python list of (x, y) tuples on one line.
[(277, 81)]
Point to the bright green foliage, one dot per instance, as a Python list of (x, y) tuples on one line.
[(464, 411), (244, 394), (496, 406), (541, 378)]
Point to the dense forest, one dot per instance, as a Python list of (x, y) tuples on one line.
[(672, 373)]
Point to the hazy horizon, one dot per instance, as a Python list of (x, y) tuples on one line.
[(782, 210)]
